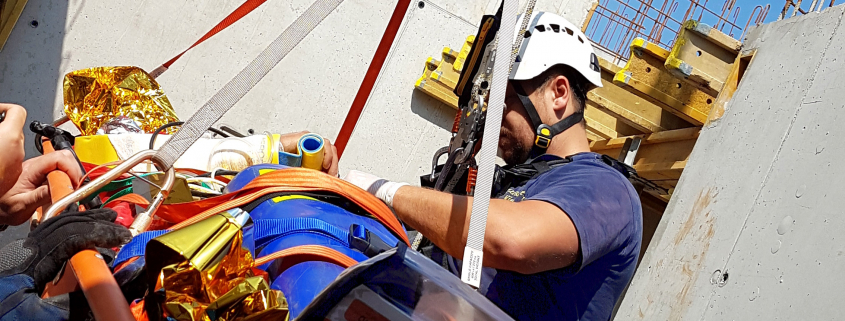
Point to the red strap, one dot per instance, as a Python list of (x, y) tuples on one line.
[(371, 76), (233, 17)]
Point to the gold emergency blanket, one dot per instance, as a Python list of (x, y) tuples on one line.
[(95, 96), (214, 279)]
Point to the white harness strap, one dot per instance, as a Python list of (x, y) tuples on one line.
[(503, 61), (243, 82)]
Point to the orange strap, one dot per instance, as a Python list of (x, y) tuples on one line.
[(129, 198), (288, 180), (233, 17), (296, 180), (303, 253)]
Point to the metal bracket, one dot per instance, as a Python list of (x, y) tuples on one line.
[(629, 150)]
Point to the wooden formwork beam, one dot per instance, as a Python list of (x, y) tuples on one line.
[(645, 72), (435, 88), (10, 11), (662, 156), (589, 16), (731, 84), (641, 114), (703, 56), (605, 124)]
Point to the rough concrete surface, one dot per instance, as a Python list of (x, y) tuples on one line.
[(754, 228), (401, 126)]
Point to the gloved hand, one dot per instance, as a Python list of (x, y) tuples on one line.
[(44, 251), (381, 188)]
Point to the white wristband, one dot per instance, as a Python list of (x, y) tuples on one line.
[(388, 190)]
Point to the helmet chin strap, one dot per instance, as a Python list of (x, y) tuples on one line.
[(543, 133)]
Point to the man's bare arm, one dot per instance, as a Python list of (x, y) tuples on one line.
[(525, 237)]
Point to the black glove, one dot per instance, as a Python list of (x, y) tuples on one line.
[(44, 251)]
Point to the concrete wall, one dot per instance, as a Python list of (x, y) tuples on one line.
[(311, 89), (755, 228)]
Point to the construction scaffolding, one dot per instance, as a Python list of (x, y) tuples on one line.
[(614, 24)]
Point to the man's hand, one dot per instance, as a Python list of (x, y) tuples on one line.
[(42, 254), (11, 145), (379, 187), (289, 142), (30, 190)]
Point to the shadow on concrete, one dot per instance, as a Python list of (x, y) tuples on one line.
[(432, 110), (29, 71)]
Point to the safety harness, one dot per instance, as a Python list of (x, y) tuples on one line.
[(517, 175)]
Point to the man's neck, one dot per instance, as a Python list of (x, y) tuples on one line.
[(570, 142)]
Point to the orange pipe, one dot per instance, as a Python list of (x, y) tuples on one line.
[(90, 271)]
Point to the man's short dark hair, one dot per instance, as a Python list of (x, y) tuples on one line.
[(577, 83)]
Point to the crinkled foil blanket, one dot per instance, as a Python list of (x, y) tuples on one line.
[(94, 96), (218, 280)]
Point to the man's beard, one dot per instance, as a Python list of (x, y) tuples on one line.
[(517, 153)]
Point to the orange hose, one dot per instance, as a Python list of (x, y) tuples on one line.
[(90, 271)]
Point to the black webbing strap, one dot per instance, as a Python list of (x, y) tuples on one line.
[(544, 133), (533, 116)]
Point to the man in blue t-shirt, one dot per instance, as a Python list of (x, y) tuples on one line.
[(564, 244)]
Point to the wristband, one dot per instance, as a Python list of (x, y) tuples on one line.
[(388, 190)]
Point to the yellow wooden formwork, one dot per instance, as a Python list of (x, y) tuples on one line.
[(642, 114), (440, 76), (661, 158), (645, 72), (642, 100), (10, 11), (702, 55), (731, 83)]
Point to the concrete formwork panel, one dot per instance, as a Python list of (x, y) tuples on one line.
[(573, 10), (754, 213), (401, 128), (33, 60), (311, 89), (789, 259)]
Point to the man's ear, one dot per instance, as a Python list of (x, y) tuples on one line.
[(561, 93)]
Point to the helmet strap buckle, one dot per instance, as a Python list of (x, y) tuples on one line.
[(543, 136)]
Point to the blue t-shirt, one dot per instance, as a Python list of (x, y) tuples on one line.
[(607, 214)]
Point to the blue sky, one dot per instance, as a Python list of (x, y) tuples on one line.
[(627, 14)]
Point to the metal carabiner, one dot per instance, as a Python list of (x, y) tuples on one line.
[(142, 220)]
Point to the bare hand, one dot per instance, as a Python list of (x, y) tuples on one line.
[(289, 141), (11, 145), (30, 191)]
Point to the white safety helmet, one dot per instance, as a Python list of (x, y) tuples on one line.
[(552, 40)]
